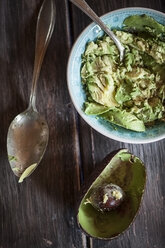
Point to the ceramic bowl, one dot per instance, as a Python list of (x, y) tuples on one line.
[(112, 19)]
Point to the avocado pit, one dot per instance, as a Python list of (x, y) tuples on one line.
[(106, 197)]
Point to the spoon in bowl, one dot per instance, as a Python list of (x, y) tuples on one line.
[(28, 133), (81, 4)]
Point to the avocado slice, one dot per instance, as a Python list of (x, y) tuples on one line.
[(128, 172), (92, 108), (124, 119)]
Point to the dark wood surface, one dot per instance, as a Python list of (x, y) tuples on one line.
[(41, 211)]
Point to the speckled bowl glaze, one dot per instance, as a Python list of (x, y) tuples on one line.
[(112, 19)]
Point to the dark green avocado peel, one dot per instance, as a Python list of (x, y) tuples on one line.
[(126, 171)]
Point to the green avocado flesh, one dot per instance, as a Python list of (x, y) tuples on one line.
[(130, 94), (128, 172)]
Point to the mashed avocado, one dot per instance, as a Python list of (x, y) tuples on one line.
[(130, 94)]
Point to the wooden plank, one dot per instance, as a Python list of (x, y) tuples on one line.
[(149, 229), (40, 212)]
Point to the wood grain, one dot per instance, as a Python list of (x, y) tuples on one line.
[(41, 212)]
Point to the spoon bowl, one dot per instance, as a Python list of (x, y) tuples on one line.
[(27, 140), (28, 133)]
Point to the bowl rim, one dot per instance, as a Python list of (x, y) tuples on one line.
[(80, 112)]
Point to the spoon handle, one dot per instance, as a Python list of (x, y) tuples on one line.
[(44, 30), (88, 11)]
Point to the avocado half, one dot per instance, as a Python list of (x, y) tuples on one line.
[(125, 170)]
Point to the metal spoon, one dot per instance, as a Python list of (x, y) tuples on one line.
[(28, 133), (88, 11)]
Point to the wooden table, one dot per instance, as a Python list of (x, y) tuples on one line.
[(41, 211)]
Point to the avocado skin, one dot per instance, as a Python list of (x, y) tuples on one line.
[(140, 23), (89, 182)]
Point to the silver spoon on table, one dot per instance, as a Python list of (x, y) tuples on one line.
[(28, 133), (81, 4)]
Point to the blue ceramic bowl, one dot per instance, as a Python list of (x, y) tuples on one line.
[(112, 19)]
